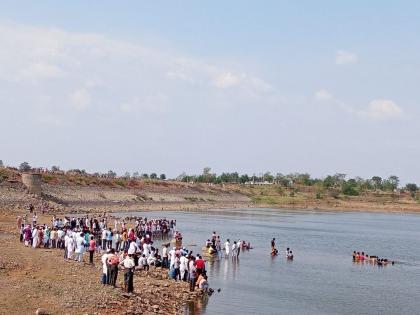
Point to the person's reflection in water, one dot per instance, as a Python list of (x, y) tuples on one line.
[(198, 306), (235, 264), (226, 269)]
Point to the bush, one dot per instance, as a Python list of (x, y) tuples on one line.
[(335, 194), (349, 188), (120, 182), (24, 167)]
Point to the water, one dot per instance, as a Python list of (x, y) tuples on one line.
[(322, 279)]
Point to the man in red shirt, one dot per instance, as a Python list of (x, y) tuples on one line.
[(200, 265)]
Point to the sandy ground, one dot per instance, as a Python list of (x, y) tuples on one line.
[(40, 278)]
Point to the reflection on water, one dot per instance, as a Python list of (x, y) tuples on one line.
[(322, 278)]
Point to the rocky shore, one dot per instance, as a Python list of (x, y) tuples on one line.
[(40, 280)]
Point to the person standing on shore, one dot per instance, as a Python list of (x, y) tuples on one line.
[(92, 247), (165, 261), (35, 237), (105, 271), (70, 247), (183, 267), (113, 262), (80, 247), (103, 237), (27, 233), (129, 265), (192, 274)]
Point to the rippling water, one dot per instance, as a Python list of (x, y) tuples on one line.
[(322, 278)]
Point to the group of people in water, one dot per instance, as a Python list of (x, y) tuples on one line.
[(122, 247), (361, 257), (275, 252), (214, 247)]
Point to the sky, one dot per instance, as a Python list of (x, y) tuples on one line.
[(321, 87)]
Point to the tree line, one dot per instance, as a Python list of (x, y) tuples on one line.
[(337, 182), (350, 186)]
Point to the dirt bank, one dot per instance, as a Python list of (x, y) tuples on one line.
[(41, 278)]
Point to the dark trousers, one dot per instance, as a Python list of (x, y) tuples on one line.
[(177, 274), (113, 275), (108, 273), (192, 284), (91, 256), (165, 262), (128, 280)]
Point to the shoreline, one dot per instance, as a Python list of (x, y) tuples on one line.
[(40, 278)]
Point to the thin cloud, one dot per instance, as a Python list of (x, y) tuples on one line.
[(80, 99), (382, 110), (114, 75), (344, 57), (377, 109), (323, 95)]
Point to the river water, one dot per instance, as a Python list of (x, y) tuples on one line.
[(322, 279)]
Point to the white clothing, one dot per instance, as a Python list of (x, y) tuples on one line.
[(227, 248), (104, 259), (133, 248), (128, 262), (80, 245)]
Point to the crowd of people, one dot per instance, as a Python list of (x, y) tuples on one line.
[(361, 257), (214, 247), (127, 244)]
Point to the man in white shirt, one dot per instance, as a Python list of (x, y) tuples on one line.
[(145, 249), (172, 256), (105, 272), (183, 267), (165, 261), (227, 248), (234, 249), (104, 236), (80, 247), (133, 248), (129, 265)]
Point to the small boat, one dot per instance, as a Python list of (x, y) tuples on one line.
[(208, 254)]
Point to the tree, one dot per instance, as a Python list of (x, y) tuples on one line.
[(55, 169), (392, 182), (244, 179), (349, 188), (153, 176), (377, 182), (145, 176), (162, 176), (136, 175), (24, 167), (268, 177), (412, 188), (127, 175), (282, 180), (1, 163), (111, 174)]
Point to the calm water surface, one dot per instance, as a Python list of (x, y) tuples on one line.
[(322, 279)]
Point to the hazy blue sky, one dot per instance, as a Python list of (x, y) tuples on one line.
[(249, 86)]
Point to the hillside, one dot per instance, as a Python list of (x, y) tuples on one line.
[(86, 193)]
